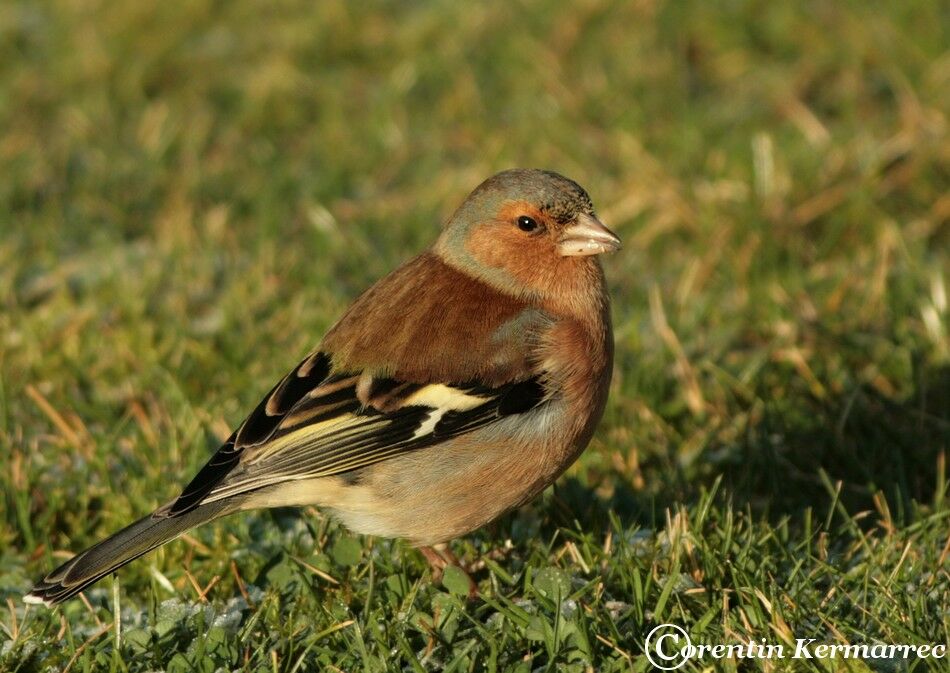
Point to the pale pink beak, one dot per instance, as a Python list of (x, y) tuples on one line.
[(587, 236)]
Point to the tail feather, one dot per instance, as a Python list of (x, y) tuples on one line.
[(105, 557)]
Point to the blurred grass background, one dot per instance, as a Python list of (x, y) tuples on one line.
[(192, 192)]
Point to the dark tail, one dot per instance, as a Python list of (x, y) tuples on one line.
[(128, 544)]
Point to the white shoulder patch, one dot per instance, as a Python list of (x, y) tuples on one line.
[(444, 398)]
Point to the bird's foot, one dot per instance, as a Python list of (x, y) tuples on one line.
[(439, 557)]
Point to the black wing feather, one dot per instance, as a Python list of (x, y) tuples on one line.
[(256, 428), (281, 449)]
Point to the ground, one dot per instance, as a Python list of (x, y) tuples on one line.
[(192, 192)]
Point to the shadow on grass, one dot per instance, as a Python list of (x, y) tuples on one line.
[(793, 459), (870, 443)]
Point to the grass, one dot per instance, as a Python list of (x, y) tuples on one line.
[(192, 192)]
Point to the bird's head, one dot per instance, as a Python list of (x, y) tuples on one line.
[(528, 232)]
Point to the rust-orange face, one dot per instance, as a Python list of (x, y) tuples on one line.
[(521, 228)]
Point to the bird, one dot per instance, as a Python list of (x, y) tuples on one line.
[(453, 390)]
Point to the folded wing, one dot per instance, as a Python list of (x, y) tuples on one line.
[(316, 423)]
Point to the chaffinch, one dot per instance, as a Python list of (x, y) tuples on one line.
[(453, 390)]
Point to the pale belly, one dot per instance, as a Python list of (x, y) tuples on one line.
[(439, 493)]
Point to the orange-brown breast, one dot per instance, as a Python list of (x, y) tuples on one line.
[(447, 490)]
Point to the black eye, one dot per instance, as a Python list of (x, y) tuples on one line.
[(526, 223)]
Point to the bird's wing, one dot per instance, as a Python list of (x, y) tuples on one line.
[(356, 402)]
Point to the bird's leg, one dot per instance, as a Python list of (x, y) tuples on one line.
[(436, 562), (439, 556), (446, 553)]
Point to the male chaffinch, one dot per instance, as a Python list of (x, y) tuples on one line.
[(453, 390)]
